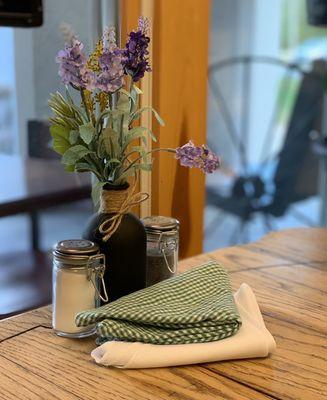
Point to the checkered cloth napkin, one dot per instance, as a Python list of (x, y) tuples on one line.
[(194, 307)]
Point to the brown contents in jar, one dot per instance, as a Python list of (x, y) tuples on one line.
[(157, 269)]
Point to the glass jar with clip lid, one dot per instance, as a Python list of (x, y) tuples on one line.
[(162, 248), (78, 270)]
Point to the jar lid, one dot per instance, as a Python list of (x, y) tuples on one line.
[(160, 224), (80, 247), (75, 250)]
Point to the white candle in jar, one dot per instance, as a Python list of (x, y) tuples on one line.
[(76, 264), (74, 293)]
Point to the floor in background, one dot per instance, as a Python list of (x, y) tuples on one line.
[(227, 231)]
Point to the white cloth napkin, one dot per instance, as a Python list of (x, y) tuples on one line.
[(252, 340)]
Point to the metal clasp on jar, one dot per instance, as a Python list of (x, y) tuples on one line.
[(163, 245), (98, 271)]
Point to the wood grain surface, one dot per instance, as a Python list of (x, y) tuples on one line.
[(287, 271), (180, 95), (175, 190)]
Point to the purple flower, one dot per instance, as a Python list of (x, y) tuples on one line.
[(109, 39), (201, 157), (136, 51), (72, 65), (143, 25), (111, 76)]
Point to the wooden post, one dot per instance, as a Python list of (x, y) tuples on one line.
[(179, 92)]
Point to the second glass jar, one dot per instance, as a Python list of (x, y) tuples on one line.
[(162, 248)]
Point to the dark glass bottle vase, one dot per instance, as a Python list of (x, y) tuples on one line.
[(125, 253)]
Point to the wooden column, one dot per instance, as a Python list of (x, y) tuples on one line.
[(179, 83)]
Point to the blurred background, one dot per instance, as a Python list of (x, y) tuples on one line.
[(267, 74), (266, 117)]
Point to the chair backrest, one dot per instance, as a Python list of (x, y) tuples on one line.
[(39, 140)]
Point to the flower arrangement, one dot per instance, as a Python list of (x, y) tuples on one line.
[(99, 134)]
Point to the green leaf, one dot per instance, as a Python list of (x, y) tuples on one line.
[(126, 174), (125, 123), (109, 139), (59, 106), (87, 132), (125, 104), (74, 154), (131, 171), (151, 134), (138, 113), (138, 133), (85, 167), (65, 109), (137, 89), (134, 134), (69, 168), (66, 112), (144, 167), (73, 136), (111, 167), (114, 161), (96, 191), (69, 123), (138, 149), (135, 94), (60, 136), (124, 101)]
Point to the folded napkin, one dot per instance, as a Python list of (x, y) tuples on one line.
[(194, 307), (252, 340)]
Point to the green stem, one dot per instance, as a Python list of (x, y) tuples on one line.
[(111, 107), (95, 168), (121, 136), (84, 103), (129, 154), (131, 85), (98, 163), (100, 121), (169, 150), (110, 101)]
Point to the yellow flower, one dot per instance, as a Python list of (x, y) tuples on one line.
[(93, 61), (90, 104), (102, 99)]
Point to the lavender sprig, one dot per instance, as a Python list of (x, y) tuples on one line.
[(201, 157), (136, 52), (111, 77), (98, 134), (72, 65)]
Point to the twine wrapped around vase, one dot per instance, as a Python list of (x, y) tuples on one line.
[(118, 202)]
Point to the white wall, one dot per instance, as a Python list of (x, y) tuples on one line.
[(243, 27), (265, 80), (8, 113), (24, 86), (6, 56), (231, 35)]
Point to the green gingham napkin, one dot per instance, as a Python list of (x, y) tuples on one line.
[(194, 307)]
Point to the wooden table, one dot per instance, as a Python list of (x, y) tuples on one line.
[(287, 272)]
